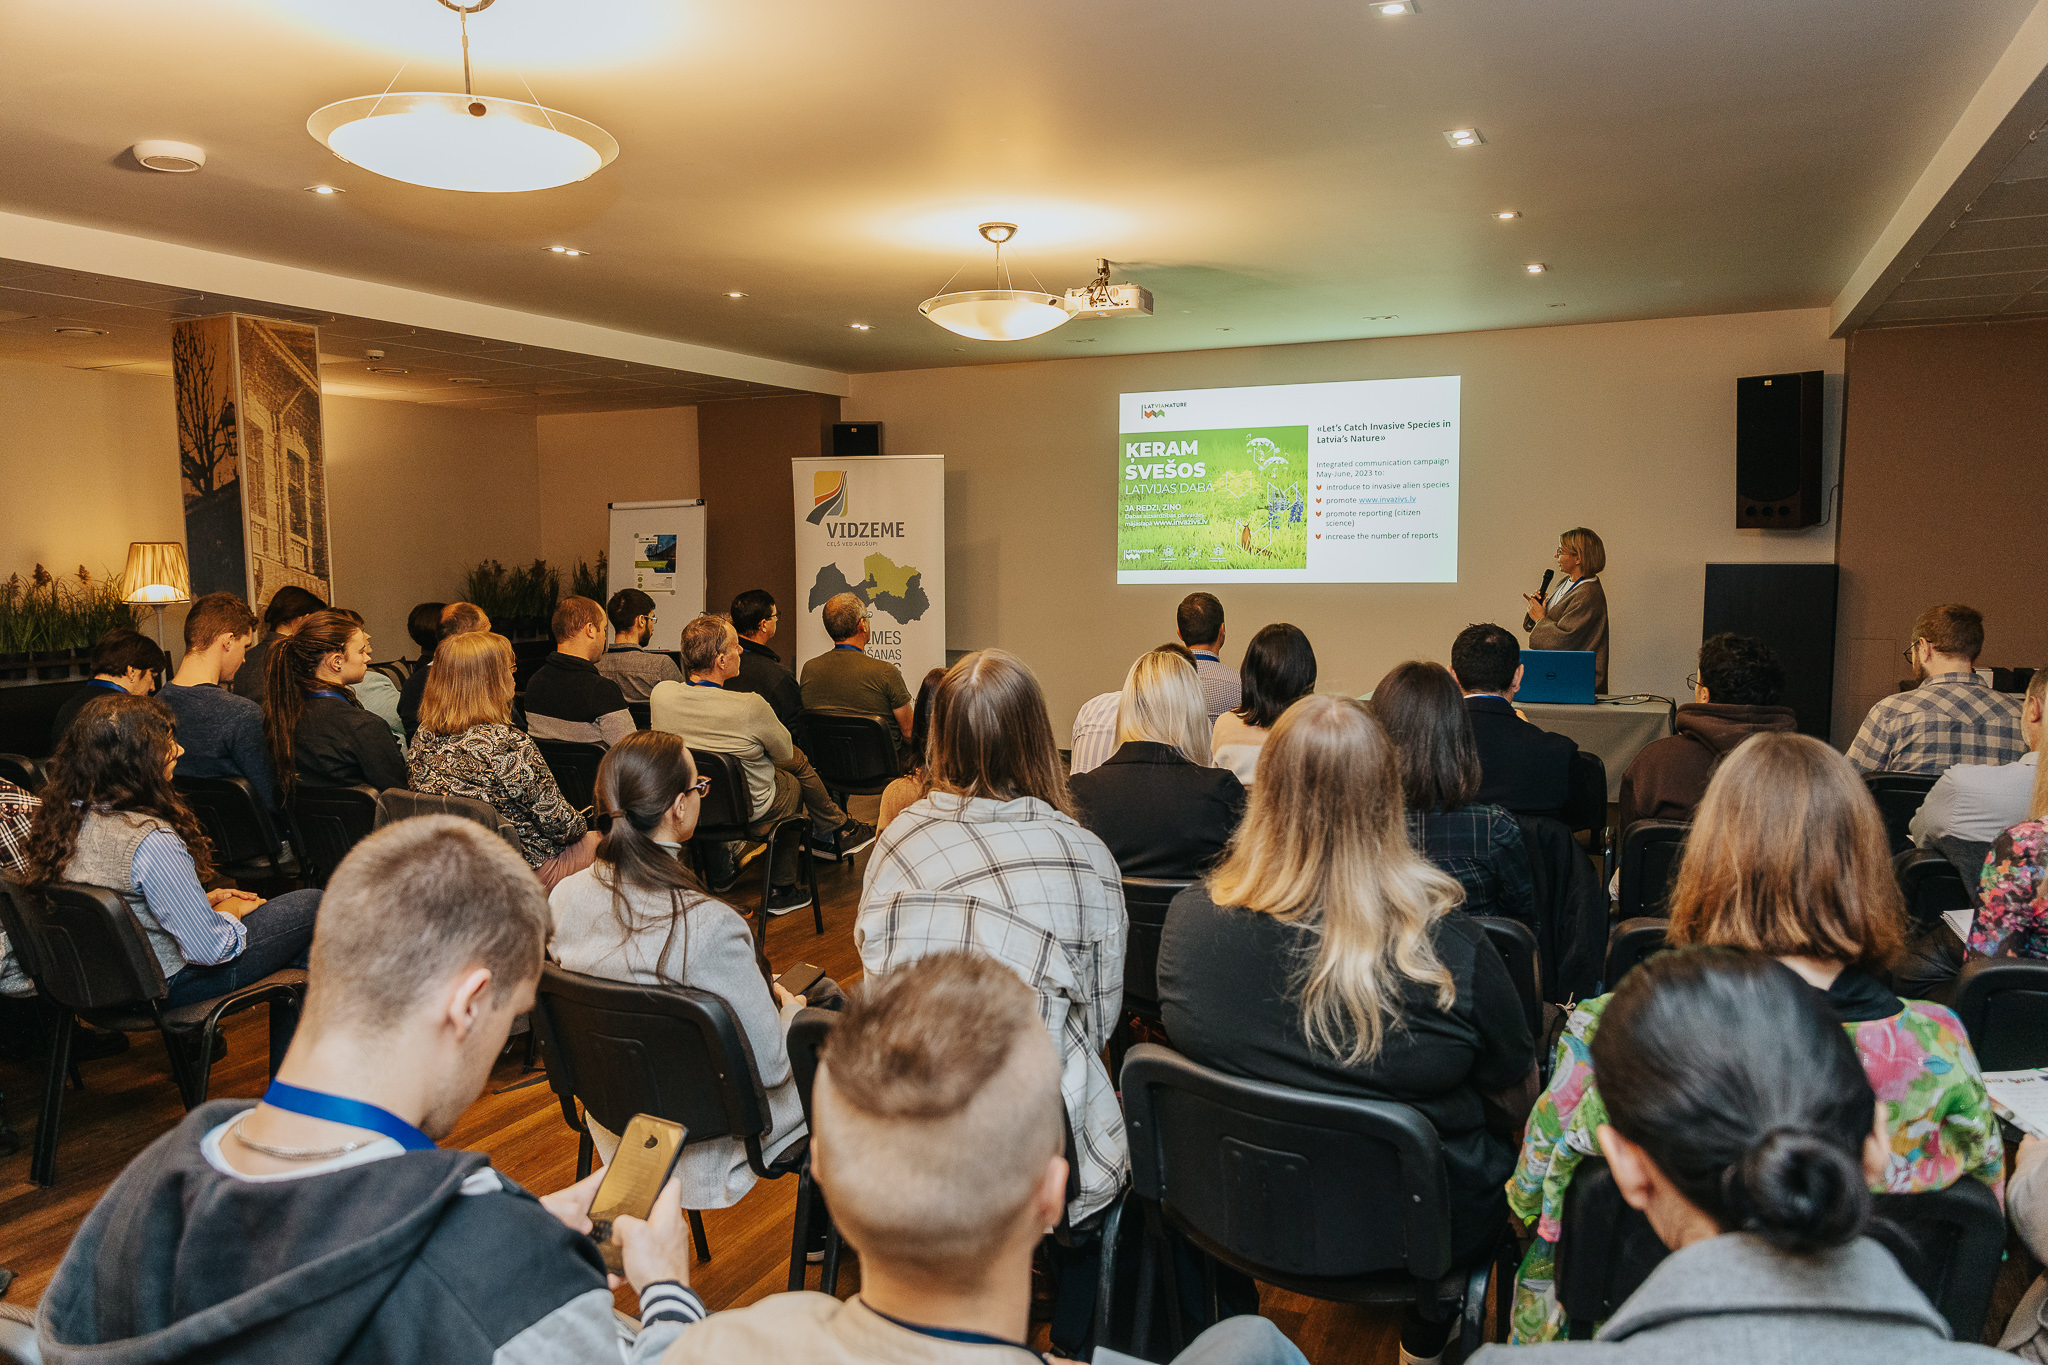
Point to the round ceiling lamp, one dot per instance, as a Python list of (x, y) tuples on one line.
[(1000, 314), (477, 144)]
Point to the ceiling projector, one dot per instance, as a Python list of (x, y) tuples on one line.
[(1101, 299)]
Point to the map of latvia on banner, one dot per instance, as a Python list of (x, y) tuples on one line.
[(896, 589)]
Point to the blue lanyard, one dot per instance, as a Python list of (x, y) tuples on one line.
[(854, 649), (951, 1333), (694, 683), (1211, 656), (103, 684), (326, 692), (315, 1104)]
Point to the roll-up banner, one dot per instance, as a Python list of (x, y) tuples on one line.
[(874, 527)]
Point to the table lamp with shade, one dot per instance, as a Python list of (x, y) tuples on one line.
[(157, 576)]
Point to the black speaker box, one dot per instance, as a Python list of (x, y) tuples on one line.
[(851, 440), (1791, 608), (1777, 451)]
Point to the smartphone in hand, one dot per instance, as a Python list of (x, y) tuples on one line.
[(647, 1155), (799, 979)]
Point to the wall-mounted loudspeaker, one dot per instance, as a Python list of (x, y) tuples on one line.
[(851, 440), (1777, 451)]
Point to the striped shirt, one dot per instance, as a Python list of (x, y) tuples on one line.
[(1094, 733), (1038, 892), (1948, 719), (169, 883)]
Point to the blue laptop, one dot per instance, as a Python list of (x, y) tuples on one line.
[(1557, 675)]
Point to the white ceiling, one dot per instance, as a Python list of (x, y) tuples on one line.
[(1273, 172)]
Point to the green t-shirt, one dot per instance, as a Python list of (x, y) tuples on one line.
[(848, 680)]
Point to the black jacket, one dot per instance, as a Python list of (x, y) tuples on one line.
[(1522, 767), (339, 744), (410, 694), (761, 671), (568, 688), (1161, 815), (252, 679)]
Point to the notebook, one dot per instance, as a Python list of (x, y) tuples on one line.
[(1557, 675), (2021, 1098)]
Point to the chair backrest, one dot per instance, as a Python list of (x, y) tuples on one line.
[(1631, 942), (726, 809), (397, 670), (1286, 1184), (1605, 1249), (2003, 1004), (1931, 885), (1585, 804), (1898, 797), (806, 1042), (1570, 909), (80, 945), (326, 823), (1516, 944), (1145, 902), (852, 752), (1967, 857), (574, 766), (396, 803), (1650, 850), (642, 713), (235, 822), (22, 771), (625, 1049)]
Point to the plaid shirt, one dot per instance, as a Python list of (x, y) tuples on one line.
[(17, 810), (1948, 719), (1039, 893), (1482, 847)]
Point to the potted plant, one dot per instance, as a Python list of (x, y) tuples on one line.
[(592, 580), (484, 586), (13, 651)]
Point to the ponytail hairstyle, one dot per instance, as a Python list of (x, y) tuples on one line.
[(293, 662), (638, 781), (1736, 1079), (111, 759)]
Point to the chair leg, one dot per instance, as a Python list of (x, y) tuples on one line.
[(586, 1154), (828, 1282), (800, 1230), (42, 1167), (697, 1235), (1148, 1278), (1105, 1285), (811, 876)]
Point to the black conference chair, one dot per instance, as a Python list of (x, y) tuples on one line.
[(1898, 797), (1650, 850), (1516, 944), (1585, 803), (1631, 942), (246, 846), (806, 1040), (326, 822), (620, 1049), (642, 713), (1145, 903), (23, 772), (2003, 1005), (722, 819), (574, 766), (87, 956), (1324, 1195), (854, 753), (1931, 885), (397, 804)]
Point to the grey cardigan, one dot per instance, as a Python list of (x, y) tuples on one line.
[(1735, 1300), (1578, 622)]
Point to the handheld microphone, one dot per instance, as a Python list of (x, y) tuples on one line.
[(1544, 591)]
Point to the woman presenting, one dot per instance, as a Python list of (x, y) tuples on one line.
[(1574, 616)]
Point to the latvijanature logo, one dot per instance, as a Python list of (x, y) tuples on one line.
[(828, 495)]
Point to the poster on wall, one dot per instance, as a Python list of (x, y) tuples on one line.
[(658, 547), (874, 527)]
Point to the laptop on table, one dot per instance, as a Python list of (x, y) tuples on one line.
[(1557, 675)]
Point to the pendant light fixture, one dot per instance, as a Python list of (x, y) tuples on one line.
[(481, 144), (999, 314)]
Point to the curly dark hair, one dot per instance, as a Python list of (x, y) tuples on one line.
[(1739, 671), (113, 758)]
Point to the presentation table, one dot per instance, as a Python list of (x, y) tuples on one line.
[(1615, 730)]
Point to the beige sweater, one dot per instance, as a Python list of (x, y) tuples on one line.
[(817, 1329)]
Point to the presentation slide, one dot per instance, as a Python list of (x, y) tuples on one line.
[(1290, 483)]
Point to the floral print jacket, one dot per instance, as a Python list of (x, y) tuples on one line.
[(2014, 890), (499, 764)]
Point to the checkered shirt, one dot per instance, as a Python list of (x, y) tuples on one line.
[(1036, 891), (1482, 847), (1948, 719), (17, 810)]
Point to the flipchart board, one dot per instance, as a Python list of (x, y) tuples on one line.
[(658, 547)]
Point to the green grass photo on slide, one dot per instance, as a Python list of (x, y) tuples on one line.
[(1247, 509)]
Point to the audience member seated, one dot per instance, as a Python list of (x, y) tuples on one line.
[(780, 780), (629, 662), (1952, 716), (567, 698), (1522, 768), (289, 608), (1324, 954), (761, 671), (637, 914), (466, 746), (1976, 802), (124, 661), (222, 733), (846, 678), (1200, 621), (993, 859), (1279, 669), (2026, 1201), (325, 1213), (1735, 695), (312, 725), (17, 814), (909, 789), (110, 817), (2012, 914), (1738, 1119), (449, 618), (1158, 804), (376, 693), (939, 1150), (1095, 723), (1424, 715), (1787, 856)]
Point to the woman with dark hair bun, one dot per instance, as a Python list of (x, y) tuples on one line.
[(1279, 669), (316, 730), (1741, 1121)]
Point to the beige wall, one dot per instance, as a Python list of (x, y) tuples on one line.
[(1625, 427), (591, 459), (750, 508)]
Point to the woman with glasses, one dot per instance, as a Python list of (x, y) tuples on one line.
[(1574, 613)]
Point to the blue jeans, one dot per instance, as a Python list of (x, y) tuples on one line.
[(280, 932)]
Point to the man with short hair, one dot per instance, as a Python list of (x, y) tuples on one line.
[(1200, 620), (289, 607), (755, 618), (567, 698), (455, 618), (629, 662), (125, 661), (1735, 695), (1951, 717), (220, 731), (1523, 767), (1977, 802), (937, 1138), (846, 678)]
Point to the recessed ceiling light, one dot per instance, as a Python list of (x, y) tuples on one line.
[(1508, 215), (568, 251), (1394, 9), (467, 379), (325, 189), (734, 294), (387, 369), (80, 332), (178, 158), (1557, 305), (1382, 317), (1463, 137), (1535, 267), (860, 326)]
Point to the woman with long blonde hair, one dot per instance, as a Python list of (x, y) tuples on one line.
[(1158, 802), (1326, 954)]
